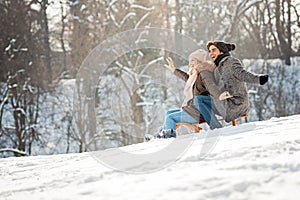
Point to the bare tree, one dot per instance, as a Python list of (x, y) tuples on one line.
[(22, 71), (45, 32), (23, 99), (115, 17), (283, 27)]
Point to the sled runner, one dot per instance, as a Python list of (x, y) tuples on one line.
[(195, 128)]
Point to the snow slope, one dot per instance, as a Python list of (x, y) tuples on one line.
[(258, 160)]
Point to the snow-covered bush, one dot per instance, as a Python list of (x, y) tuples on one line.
[(281, 95)]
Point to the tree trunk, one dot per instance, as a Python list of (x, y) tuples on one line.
[(289, 35), (137, 116), (285, 49), (178, 26), (45, 29)]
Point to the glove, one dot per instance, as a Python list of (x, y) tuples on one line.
[(170, 64), (263, 79), (225, 95)]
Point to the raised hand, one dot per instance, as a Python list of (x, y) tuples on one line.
[(170, 64)]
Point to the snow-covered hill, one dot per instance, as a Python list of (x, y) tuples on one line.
[(257, 160)]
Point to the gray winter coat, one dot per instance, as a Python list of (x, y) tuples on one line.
[(230, 76), (198, 89)]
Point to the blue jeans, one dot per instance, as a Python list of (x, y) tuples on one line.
[(207, 108), (175, 116)]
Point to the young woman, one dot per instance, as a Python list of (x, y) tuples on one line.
[(194, 87)]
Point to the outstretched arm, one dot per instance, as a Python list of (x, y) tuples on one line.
[(180, 74), (243, 75)]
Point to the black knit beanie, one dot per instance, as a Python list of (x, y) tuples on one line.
[(222, 46)]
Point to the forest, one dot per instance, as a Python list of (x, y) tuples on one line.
[(50, 103)]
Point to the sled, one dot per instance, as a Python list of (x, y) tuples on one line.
[(195, 128), (245, 116), (192, 128)]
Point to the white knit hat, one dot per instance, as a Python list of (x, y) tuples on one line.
[(199, 54)]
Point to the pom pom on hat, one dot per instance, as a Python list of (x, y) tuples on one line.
[(199, 54)]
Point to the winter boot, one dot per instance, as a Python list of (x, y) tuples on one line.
[(168, 133)]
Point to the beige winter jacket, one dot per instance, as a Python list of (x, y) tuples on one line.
[(198, 89)]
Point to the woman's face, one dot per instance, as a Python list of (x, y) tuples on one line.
[(193, 62), (214, 52)]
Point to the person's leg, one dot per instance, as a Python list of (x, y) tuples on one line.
[(176, 117), (172, 111), (206, 107), (167, 120)]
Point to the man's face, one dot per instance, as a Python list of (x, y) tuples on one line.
[(214, 52)]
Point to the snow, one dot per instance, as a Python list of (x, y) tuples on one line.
[(142, 19), (13, 150), (142, 7), (257, 160)]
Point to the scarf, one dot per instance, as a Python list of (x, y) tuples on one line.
[(220, 57), (188, 89)]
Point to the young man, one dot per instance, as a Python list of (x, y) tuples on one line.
[(226, 84)]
